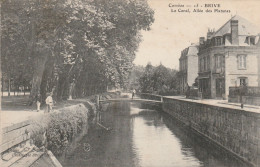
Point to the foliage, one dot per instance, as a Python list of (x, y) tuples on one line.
[(60, 127), (133, 80), (68, 46), (146, 82), (159, 80)]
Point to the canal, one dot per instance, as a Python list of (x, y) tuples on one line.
[(130, 135)]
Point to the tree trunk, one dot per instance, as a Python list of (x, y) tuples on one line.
[(46, 74), (37, 76), (60, 87), (9, 86), (2, 86), (71, 90)]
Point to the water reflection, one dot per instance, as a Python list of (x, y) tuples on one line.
[(126, 135), (156, 145)]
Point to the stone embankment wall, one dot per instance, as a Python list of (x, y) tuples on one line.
[(236, 130), (252, 100)]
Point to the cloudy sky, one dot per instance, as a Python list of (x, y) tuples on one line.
[(172, 32)]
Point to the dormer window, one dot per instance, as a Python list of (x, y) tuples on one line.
[(218, 41), (251, 40)]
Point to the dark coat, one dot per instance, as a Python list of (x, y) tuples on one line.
[(38, 98)]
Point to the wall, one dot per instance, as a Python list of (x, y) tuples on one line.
[(251, 100), (231, 68), (233, 73), (192, 69), (235, 130)]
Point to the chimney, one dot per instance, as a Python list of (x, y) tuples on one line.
[(210, 33), (202, 39), (234, 32)]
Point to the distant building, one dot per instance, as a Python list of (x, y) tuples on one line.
[(229, 57), (188, 64)]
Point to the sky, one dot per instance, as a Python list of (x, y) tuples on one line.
[(172, 32)]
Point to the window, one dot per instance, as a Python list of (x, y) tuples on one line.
[(241, 61), (251, 40), (205, 64), (218, 41), (208, 62), (201, 64), (243, 81), (217, 61)]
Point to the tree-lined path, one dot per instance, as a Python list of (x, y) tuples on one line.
[(70, 48)]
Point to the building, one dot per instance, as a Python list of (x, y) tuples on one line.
[(188, 64), (229, 57)]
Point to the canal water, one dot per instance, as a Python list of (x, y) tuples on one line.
[(129, 135)]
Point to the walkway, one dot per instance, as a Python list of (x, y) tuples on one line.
[(9, 118), (220, 103)]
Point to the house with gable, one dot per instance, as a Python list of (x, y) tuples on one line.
[(229, 57)]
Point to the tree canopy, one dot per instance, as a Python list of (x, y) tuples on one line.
[(70, 47), (159, 80)]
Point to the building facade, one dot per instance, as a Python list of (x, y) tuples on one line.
[(229, 57), (188, 67)]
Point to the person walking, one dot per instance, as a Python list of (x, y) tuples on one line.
[(187, 90), (133, 93), (49, 102), (38, 101)]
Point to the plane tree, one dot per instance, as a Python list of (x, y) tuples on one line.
[(66, 46)]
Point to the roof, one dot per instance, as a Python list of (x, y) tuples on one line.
[(245, 28), (191, 50)]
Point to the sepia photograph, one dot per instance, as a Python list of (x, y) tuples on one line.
[(130, 83)]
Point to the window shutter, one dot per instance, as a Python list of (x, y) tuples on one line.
[(244, 61), (222, 63), (237, 61), (240, 61)]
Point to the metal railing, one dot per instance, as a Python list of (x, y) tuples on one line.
[(150, 96), (245, 91)]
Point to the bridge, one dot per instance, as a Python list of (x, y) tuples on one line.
[(125, 97), (130, 100)]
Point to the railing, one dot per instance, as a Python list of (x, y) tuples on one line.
[(245, 91), (193, 94), (150, 96)]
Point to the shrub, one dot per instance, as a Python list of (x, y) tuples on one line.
[(55, 130)]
